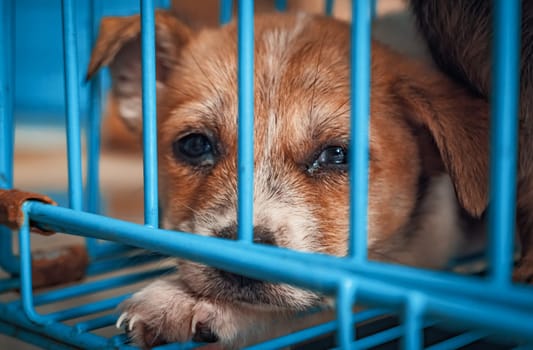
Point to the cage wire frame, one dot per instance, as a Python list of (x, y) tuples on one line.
[(477, 307)]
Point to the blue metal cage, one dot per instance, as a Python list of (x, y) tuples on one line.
[(469, 309)]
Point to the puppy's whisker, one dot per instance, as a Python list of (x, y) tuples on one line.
[(196, 111), (180, 91), (338, 112), (191, 209), (207, 77), (316, 78)]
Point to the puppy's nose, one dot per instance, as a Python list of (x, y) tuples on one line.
[(262, 234)]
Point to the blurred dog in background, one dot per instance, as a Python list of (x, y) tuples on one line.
[(459, 36)]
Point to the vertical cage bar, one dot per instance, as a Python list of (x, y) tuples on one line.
[(329, 7), (8, 261), (226, 11), (281, 5), (413, 322), (93, 129), (504, 136), (245, 178), (345, 300), (70, 55), (93, 121), (151, 215), (26, 288), (360, 110), (7, 51)]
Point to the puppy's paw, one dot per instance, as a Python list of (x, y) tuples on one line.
[(163, 312)]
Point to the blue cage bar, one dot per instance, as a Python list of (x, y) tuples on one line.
[(360, 116), (72, 104), (504, 140), (92, 131), (151, 215), (245, 159), (469, 308), (8, 261)]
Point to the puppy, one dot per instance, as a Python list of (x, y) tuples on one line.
[(427, 176), (459, 35)]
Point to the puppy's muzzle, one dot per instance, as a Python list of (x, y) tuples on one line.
[(262, 235)]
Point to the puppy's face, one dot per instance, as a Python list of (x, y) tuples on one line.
[(301, 136)]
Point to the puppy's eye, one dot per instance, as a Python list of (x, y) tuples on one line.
[(330, 157), (195, 149)]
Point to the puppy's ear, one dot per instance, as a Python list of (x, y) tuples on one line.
[(459, 125), (119, 47)]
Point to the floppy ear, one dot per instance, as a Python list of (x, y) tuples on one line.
[(119, 47), (459, 125)]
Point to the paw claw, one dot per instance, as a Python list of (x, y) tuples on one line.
[(123, 317), (131, 322), (194, 321)]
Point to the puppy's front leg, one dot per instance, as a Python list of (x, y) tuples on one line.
[(166, 311)]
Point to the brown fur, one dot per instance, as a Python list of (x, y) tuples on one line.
[(459, 34), (418, 131)]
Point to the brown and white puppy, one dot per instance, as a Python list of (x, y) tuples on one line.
[(459, 35), (428, 162)]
